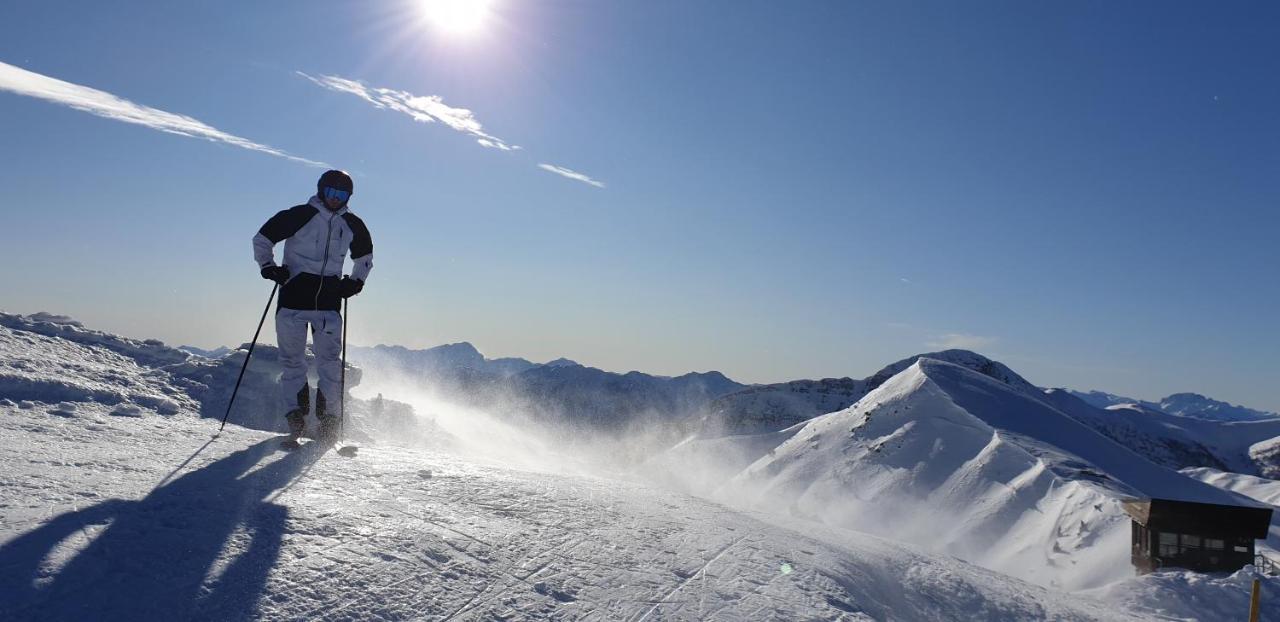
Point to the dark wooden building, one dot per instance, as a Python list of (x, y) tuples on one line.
[(1204, 537)]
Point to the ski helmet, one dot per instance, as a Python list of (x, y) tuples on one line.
[(338, 180)]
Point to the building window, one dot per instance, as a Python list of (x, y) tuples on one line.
[(1178, 544), (1168, 544)]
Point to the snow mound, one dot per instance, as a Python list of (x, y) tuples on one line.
[(55, 366), (149, 352)]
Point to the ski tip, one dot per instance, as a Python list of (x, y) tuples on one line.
[(290, 445)]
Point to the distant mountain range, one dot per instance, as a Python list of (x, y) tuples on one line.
[(1184, 430), (1181, 404), (560, 390)]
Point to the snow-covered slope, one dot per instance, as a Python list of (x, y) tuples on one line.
[(146, 519), (1152, 434), (1249, 446), (955, 460), (111, 513), (772, 407), (1259, 488)]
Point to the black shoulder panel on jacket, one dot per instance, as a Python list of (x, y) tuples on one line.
[(361, 243), (287, 222)]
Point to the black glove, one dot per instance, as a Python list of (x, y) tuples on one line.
[(279, 274), (349, 287)]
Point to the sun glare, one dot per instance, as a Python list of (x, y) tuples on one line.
[(456, 16)]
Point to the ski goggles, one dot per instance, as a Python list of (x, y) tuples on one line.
[(335, 194)]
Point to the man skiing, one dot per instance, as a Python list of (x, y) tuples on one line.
[(316, 238)]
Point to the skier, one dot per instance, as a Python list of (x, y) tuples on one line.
[(316, 238)]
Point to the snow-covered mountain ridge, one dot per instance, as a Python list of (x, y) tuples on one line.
[(773, 407), (127, 514), (954, 460), (1174, 441)]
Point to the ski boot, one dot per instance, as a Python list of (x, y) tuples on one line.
[(297, 419), (328, 423)]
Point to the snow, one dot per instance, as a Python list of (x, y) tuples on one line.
[(147, 518), (117, 505), (941, 440)]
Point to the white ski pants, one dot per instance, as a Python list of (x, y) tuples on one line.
[(326, 336)]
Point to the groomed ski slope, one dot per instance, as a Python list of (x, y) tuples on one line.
[(116, 505), (130, 518)]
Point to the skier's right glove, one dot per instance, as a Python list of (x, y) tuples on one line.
[(349, 287), (279, 274)]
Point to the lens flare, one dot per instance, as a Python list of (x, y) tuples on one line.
[(457, 16)]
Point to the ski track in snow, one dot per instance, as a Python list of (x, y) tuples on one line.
[(116, 505), (98, 524)]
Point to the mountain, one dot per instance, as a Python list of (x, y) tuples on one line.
[(1153, 434), (1191, 405), (773, 407), (1102, 399), (956, 460), (104, 484), (560, 390), (580, 393), (1172, 440), (429, 362), (1201, 407), (1247, 446)]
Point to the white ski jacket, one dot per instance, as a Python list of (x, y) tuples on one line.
[(316, 241)]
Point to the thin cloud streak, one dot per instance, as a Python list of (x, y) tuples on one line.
[(571, 174), (101, 103), (422, 108), (432, 109)]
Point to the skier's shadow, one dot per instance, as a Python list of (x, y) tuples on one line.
[(161, 557)]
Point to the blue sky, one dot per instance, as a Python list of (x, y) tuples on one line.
[(1086, 191)]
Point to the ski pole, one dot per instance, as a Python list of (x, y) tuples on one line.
[(246, 357), (342, 399)]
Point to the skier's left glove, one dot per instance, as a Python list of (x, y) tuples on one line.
[(279, 274), (349, 287)]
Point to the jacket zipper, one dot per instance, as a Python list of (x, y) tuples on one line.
[(324, 263)]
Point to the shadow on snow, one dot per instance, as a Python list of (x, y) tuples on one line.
[(161, 557)]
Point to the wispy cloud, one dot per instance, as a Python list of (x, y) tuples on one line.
[(432, 109), (571, 174), (962, 341), (422, 108), (104, 104)]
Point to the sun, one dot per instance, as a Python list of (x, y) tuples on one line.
[(456, 16)]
